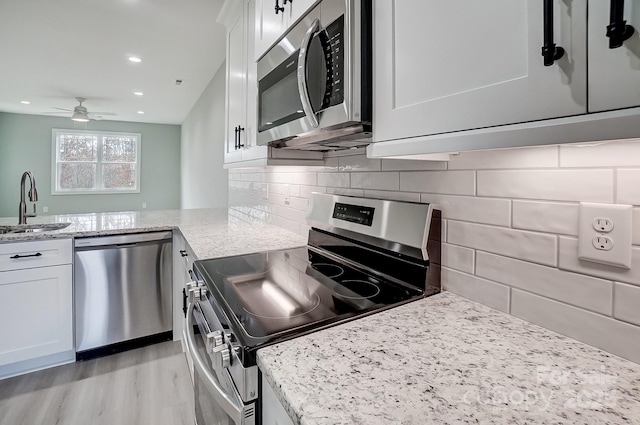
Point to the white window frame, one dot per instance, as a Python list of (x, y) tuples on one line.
[(55, 187)]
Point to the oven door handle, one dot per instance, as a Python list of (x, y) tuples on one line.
[(302, 73), (230, 407)]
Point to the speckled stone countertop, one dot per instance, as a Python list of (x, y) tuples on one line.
[(209, 232), (446, 360)]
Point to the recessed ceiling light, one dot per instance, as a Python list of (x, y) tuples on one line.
[(138, 93), (141, 112), (25, 102), (135, 59)]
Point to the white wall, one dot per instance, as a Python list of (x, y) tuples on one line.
[(203, 181), (510, 231)]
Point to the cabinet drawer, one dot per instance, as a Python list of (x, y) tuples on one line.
[(27, 255)]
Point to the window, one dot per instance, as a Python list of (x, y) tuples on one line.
[(95, 162)]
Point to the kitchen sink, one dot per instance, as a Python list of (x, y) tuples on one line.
[(27, 228)]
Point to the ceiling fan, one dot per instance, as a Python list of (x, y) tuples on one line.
[(80, 113)]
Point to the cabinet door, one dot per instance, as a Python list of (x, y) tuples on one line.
[(36, 308), (443, 66), (269, 25), (614, 74), (236, 81), (273, 412), (251, 121), (296, 9)]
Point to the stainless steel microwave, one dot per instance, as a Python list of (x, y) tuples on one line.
[(315, 85)]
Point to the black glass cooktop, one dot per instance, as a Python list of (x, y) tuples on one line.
[(279, 293)]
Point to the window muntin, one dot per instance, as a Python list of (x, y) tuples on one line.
[(95, 162)]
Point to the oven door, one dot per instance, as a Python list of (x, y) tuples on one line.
[(302, 83), (217, 402)]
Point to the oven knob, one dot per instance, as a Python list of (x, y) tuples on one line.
[(217, 338), (221, 357)]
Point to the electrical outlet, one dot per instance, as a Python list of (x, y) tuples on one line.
[(605, 234), (602, 224), (144, 205), (45, 209), (602, 243)]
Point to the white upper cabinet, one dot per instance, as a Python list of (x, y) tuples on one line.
[(241, 149), (614, 70), (271, 22), (236, 89), (444, 66), (273, 18)]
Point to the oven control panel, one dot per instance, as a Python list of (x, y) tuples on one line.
[(353, 213)]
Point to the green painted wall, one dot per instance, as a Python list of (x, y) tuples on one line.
[(25, 144)]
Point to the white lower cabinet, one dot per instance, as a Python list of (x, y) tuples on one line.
[(273, 412), (36, 305)]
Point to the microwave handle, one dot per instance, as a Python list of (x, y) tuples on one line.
[(302, 74), (227, 404)]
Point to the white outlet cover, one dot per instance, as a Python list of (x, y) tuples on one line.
[(621, 216)]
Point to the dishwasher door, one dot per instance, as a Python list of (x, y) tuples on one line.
[(122, 289)]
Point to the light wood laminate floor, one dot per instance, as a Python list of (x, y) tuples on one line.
[(149, 385)]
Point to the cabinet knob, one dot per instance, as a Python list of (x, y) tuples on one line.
[(278, 8), (550, 52), (618, 31)]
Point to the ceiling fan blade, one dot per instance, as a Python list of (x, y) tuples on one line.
[(62, 109), (112, 114), (55, 113)]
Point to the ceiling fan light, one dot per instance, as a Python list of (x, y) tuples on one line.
[(79, 117)]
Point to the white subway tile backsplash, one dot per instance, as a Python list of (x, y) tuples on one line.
[(298, 203), (334, 179), (483, 291), (306, 191), (552, 185), (449, 182), (359, 163), (393, 195), (628, 187), (549, 217), (378, 181), (345, 191), (568, 260), (458, 258), (603, 154), (510, 225), (471, 208), (582, 291), (537, 157), (520, 244), (600, 331), (626, 303), (292, 178), (412, 165)]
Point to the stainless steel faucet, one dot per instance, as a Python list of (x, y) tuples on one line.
[(33, 197)]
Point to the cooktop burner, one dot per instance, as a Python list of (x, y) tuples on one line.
[(356, 289), (329, 270)]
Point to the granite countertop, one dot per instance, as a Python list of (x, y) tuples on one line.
[(446, 360), (211, 233)]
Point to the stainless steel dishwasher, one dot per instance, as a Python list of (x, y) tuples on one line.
[(122, 292)]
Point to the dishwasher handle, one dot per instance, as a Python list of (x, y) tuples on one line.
[(121, 241)]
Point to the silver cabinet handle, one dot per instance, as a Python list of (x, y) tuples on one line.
[(227, 404), (302, 73)]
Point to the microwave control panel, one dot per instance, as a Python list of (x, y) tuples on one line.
[(332, 39)]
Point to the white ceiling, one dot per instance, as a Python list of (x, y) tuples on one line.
[(52, 51)]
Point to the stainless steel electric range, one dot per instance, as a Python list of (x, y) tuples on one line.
[(363, 256)]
